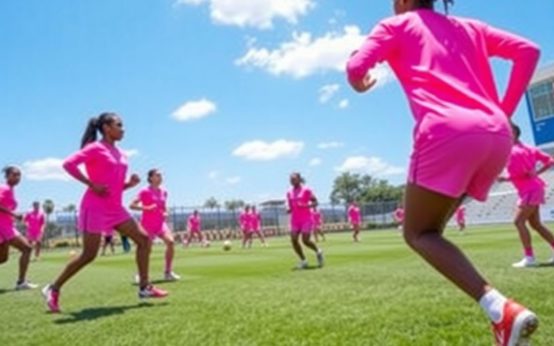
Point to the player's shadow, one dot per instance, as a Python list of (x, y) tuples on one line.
[(309, 267), (3, 291), (91, 314), (157, 282), (545, 265)]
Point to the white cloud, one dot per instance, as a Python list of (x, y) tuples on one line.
[(327, 92), (131, 152), (369, 165), (45, 169), (265, 151), (315, 162), (213, 175), (254, 13), (305, 55), (344, 103), (330, 145), (193, 110), (233, 180)]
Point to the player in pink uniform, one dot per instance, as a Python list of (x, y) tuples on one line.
[(9, 236), (102, 207), (461, 218), (35, 222), (255, 226), (523, 173), (355, 219), (443, 65), (108, 240), (398, 215), (152, 201), (317, 220), (194, 224), (300, 201), (245, 224)]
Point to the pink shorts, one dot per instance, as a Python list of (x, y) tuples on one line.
[(102, 222), (468, 164), (7, 234), (195, 231), (531, 198), (356, 224), (299, 226), (34, 237), (158, 232)]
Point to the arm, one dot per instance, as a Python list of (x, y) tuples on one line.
[(10, 213), (546, 160), (380, 44), (134, 180), (523, 53)]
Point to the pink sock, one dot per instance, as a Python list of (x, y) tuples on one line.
[(168, 262), (552, 245), (529, 252)]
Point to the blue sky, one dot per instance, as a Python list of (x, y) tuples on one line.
[(260, 79)]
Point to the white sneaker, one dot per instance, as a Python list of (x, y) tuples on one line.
[(550, 262), (137, 279), (302, 265), (526, 262), (25, 285), (171, 276), (320, 260)]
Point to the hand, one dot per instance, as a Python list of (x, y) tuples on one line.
[(502, 179), (364, 84), (531, 174), (99, 189), (134, 180), (149, 207), (18, 217)]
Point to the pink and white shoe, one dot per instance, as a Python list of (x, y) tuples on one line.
[(152, 291), (51, 298), (516, 326)]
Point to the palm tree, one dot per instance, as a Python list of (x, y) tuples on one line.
[(48, 208), (211, 203), (232, 206)]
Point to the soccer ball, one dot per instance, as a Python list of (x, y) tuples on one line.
[(72, 254), (207, 244), (227, 245)]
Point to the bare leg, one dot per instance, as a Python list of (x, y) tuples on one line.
[(523, 214), (427, 213), (294, 237), (4, 252), (91, 243), (309, 243), (169, 251), (537, 225), (25, 248), (132, 229)]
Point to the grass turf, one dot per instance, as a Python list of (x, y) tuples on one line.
[(373, 293)]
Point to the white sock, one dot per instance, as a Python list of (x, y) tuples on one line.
[(493, 304)]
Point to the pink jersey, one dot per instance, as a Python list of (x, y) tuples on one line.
[(399, 215), (354, 215), (522, 167), (153, 220), (35, 222), (245, 221), (443, 65), (317, 218), (105, 165), (299, 200), (194, 223), (7, 200), (255, 221), (461, 213)]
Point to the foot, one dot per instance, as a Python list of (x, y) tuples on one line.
[(51, 298), (137, 279), (171, 276), (550, 261), (302, 265), (516, 326), (151, 291), (526, 262), (25, 285), (320, 260)]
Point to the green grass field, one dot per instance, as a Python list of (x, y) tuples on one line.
[(373, 293)]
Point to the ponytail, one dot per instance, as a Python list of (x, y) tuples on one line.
[(96, 125), (446, 4), (9, 170)]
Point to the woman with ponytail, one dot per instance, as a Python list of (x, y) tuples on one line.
[(443, 65), (102, 207), (9, 236)]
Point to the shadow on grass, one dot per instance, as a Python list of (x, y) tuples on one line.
[(4, 291), (545, 265), (310, 267), (157, 282), (91, 314)]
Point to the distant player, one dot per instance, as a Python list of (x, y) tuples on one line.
[(460, 216), (194, 225), (398, 216), (35, 221), (245, 224), (317, 218), (108, 240), (255, 226), (355, 219)]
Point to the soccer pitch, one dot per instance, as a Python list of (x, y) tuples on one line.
[(376, 292)]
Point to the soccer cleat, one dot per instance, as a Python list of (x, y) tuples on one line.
[(526, 262), (550, 261), (25, 285), (51, 298), (151, 291), (137, 279), (302, 265), (516, 326), (171, 276), (320, 260)]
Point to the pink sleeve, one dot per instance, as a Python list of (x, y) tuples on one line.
[(523, 53), (71, 164), (544, 158), (378, 46), (26, 218)]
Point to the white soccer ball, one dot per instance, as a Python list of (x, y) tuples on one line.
[(227, 245)]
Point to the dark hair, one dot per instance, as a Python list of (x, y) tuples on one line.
[(9, 170), (516, 131), (431, 4), (151, 173), (300, 177), (96, 125)]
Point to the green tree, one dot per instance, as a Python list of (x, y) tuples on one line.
[(211, 203), (48, 208), (347, 187), (350, 187)]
